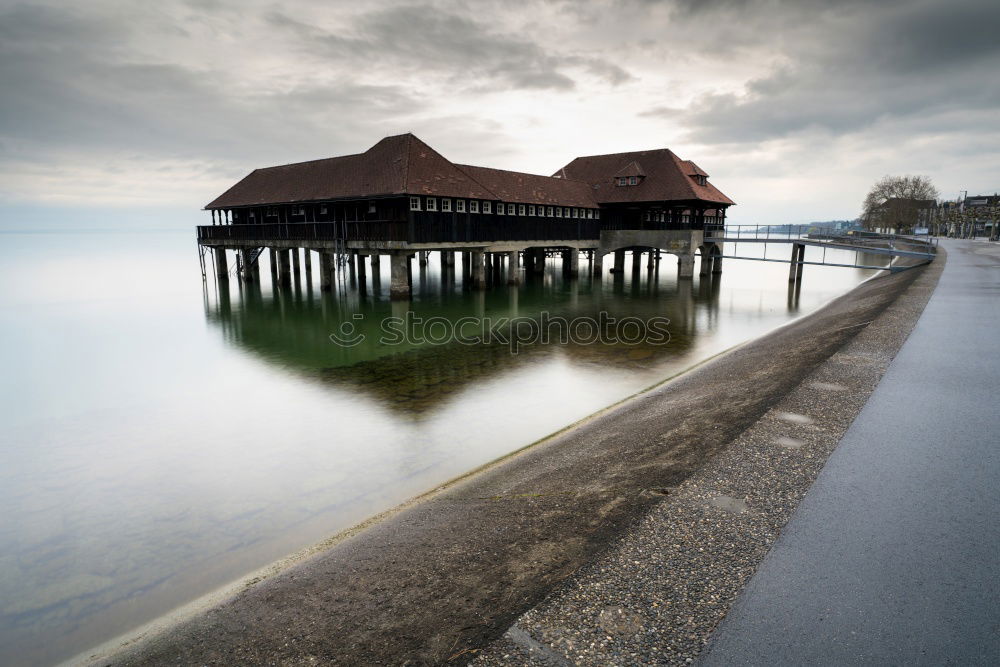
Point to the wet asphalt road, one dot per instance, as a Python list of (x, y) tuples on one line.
[(893, 557)]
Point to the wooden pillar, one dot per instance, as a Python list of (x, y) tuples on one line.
[(399, 285), (513, 270), (295, 263), (795, 267), (221, 268), (571, 262), (362, 275), (308, 262), (273, 257), (248, 268), (325, 270), (706, 261), (284, 268), (477, 258), (619, 265), (598, 262)]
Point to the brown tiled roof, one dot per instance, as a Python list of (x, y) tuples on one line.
[(396, 165), (631, 169), (693, 169), (404, 164), (667, 178), (518, 187)]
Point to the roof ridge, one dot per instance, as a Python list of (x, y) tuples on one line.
[(647, 150), (526, 173), (319, 159)]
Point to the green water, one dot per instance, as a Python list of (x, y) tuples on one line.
[(162, 437)]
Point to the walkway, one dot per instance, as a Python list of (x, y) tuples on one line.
[(893, 557)]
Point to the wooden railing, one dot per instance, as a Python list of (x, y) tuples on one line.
[(488, 229)]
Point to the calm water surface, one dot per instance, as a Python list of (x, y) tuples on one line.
[(161, 438)]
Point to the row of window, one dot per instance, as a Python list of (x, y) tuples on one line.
[(628, 180), (476, 206)]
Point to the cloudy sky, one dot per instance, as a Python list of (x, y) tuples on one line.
[(123, 110)]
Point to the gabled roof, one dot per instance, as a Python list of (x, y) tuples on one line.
[(397, 165), (693, 169), (667, 178), (518, 187)]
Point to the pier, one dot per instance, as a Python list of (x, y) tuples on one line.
[(401, 200)]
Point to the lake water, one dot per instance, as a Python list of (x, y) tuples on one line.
[(161, 437)]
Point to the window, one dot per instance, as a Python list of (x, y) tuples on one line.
[(371, 207), (590, 214), (565, 212), (446, 205), (473, 206), (531, 209), (549, 212), (487, 206), (597, 214), (322, 209), (460, 206), (301, 211), (622, 181), (576, 213), (632, 180), (521, 210), (558, 211), (510, 209), (414, 204), (645, 216), (432, 204)]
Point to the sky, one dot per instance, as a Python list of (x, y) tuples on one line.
[(142, 112)]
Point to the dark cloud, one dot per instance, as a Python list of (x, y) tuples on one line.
[(426, 39), (71, 87), (847, 71)]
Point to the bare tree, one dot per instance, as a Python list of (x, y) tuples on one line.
[(899, 202)]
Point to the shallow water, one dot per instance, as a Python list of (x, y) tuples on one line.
[(161, 437)]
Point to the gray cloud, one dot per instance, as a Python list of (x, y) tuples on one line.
[(422, 38), (774, 96), (848, 71), (74, 88)]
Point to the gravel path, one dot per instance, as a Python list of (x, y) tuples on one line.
[(656, 596)]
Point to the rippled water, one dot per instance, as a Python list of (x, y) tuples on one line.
[(161, 437)]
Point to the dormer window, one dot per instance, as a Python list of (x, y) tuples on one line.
[(632, 180), (701, 180), (622, 181)]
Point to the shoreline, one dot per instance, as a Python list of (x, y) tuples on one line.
[(658, 595), (169, 635)]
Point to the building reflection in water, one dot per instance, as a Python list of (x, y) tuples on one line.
[(292, 327)]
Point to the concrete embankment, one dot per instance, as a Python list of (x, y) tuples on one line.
[(445, 576)]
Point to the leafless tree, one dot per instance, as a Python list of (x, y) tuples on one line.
[(898, 202)]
